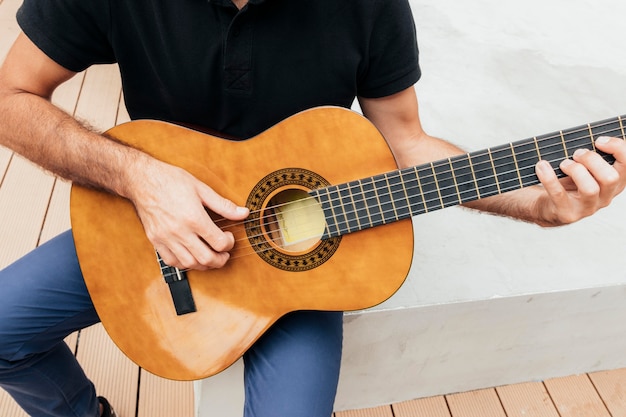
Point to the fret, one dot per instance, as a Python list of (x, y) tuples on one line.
[(551, 150), (471, 166), (360, 208), (384, 198), (464, 178), (413, 190), (456, 184), (437, 187), (337, 209), (517, 168), (578, 138), (507, 175), (448, 193), (565, 150), (398, 195), (593, 142), (391, 197), (484, 173), (537, 148), (408, 187), (348, 208), (430, 191), (362, 201), (493, 169), (526, 154), (372, 202), (324, 198), (608, 127)]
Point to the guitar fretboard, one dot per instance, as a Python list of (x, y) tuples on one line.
[(401, 194)]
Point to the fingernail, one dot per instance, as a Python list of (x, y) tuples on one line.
[(544, 166), (603, 139), (580, 152), (566, 162), (242, 210)]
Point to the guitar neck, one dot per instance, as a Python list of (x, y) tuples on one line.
[(401, 194)]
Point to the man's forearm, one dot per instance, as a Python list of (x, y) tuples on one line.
[(520, 204), (34, 128)]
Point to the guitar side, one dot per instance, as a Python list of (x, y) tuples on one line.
[(239, 302)]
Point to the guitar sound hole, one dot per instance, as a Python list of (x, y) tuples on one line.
[(293, 221), (288, 186)]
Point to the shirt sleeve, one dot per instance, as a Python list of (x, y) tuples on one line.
[(393, 63), (73, 33)]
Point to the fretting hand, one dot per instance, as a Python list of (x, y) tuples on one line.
[(590, 185)]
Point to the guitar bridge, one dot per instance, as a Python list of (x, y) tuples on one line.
[(179, 287)]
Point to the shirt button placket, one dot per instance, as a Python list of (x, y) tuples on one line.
[(238, 55)]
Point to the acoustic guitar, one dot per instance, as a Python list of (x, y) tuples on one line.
[(329, 229)]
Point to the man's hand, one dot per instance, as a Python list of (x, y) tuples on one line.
[(171, 205), (591, 183), (170, 202)]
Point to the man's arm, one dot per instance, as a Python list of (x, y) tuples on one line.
[(31, 126), (591, 183)]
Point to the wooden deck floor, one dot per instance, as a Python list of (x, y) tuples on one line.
[(34, 208), (600, 394)]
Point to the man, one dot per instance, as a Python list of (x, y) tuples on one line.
[(236, 67)]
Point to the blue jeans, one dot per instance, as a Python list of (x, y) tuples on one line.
[(291, 371)]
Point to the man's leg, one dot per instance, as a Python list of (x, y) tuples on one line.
[(43, 299), (293, 369)]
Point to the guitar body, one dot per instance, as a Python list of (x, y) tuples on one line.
[(239, 302)]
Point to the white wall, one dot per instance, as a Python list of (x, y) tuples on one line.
[(496, 71)]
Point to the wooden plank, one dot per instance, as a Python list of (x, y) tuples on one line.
[(575, 396), (58, 215), (480, 403), (114, 375), (528, 399), (8, 407), (26, 189), (66, 95), (100, 97), (72, 341), (9, 28), (122, 113), (431, 407), (160, 397), (611, 386), (24, 198), (5, 160), (383, 411), (18, 189)]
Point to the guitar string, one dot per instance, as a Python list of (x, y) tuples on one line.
[(428, 167), (396, 174), (445, 162), (382, 214)]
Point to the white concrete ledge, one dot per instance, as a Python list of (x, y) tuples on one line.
[(396, 355)]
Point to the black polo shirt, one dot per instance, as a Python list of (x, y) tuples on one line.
[(205, 62)]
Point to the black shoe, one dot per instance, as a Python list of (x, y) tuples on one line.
[(107, 410)]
